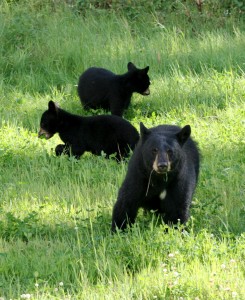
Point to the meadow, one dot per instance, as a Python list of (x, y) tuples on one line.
[(55, 212)]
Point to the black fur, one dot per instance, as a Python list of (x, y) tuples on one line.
[(100, 88), (110, 134), (165, 159)]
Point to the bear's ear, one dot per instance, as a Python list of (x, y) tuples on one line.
[(143, 130), (53, 107), (146, 69), (184, 134), (131, 66)]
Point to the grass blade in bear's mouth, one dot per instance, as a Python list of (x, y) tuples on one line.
[(41, 136), (161, 172), (44, 134)]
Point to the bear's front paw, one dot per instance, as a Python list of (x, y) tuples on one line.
[(60, 149)]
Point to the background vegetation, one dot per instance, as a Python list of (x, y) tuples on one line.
[(55, 213)]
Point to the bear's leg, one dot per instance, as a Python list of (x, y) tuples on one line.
[(77, 151), (61, 149), (175, 206), (122, 151), (116, 108), (129, 200), (124, 214)]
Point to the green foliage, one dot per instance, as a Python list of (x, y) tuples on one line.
[(167, 6), (55, 212), (17, 228)]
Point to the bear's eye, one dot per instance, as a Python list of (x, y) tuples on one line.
[(169, 152), (154, 150)]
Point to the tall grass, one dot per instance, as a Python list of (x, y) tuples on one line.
[(55, 240)]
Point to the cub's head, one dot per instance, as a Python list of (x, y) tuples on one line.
[(49, 121), (139, 79), (162, 151)]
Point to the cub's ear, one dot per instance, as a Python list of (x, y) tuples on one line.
[(143, 130), (131, 66), (52, 106), (184, 134), (146, 69)]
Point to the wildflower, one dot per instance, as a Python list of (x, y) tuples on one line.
[(176, 274), (171, 255), (36, 285), (35, 274), (234, 294), (223, 266), (25, 296), (61, 283), (232, 261)]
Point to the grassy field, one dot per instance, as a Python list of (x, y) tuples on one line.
[(55, 212)]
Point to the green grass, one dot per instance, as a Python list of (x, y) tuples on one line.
[(55, 212)]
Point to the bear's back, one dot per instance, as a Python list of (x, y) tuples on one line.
[(96, 74), (111, 124), (94, 86)]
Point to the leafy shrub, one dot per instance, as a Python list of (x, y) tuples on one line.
[(168, 6)]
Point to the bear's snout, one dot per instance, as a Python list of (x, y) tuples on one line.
[(161, 163), (44, 133), (162, 167), (146, 92)]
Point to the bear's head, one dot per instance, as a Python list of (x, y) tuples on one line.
[(139, 79), (162, 150), (49, 121)]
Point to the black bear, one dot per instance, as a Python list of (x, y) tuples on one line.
[(100, 88), (162, 176), (110, 134)]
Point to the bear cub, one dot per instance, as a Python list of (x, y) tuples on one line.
[(162, 176), (100, 88), (110, 134)]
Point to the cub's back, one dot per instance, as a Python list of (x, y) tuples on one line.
[(93, 86), (95, 73), (111, 124)]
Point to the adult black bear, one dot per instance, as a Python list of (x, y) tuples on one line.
[(162, 175), (100, 88), (110, 134)]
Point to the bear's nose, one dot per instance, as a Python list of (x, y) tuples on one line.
[(162, 167)]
